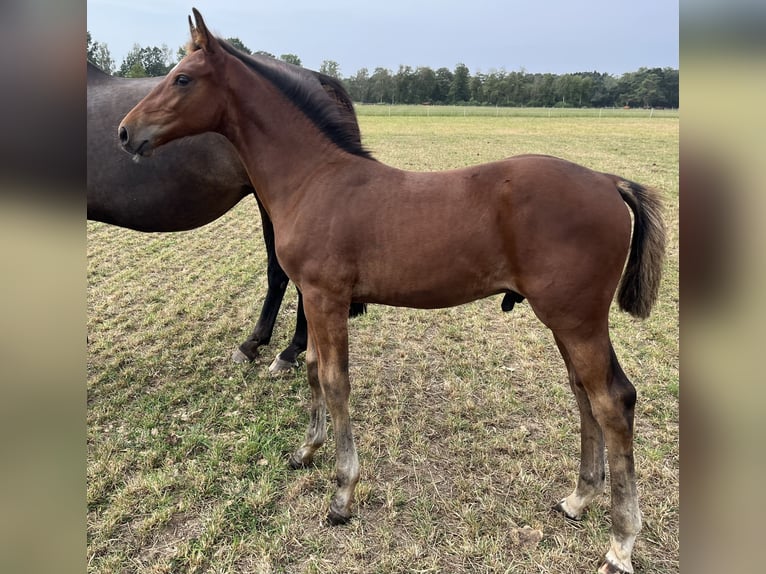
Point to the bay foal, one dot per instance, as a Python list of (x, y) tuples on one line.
[(351, 229)]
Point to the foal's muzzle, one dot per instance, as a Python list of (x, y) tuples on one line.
[(136, 148)]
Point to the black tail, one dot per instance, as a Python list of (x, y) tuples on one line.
[(640, 282)]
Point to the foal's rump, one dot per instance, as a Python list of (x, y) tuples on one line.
[(573, 236)]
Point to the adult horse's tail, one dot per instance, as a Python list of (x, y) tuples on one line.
[(640, 282)]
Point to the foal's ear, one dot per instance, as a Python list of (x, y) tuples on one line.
[(201, 37)]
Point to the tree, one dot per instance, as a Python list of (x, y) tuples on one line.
[(493, 88), (381, 85), (359, 86), (98, 53), (265, 53), (602, 93), (518, 88), (543, 93), (443, 83), (656, 87), (239, 45), (291, 59), (626, 92), (670, 86), (568, 88), (460, 90), (330, 68), (403, 85), (425, 87), (649, 90), (477, 88), (146, 61)]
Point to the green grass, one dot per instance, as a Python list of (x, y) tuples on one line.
[(464, 422)]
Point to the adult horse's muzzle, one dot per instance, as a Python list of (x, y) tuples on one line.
[(133, 144)]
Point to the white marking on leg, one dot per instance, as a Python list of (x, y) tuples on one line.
[(619, 554), (574, 505)]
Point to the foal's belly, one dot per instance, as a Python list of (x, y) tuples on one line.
[(432, 282)]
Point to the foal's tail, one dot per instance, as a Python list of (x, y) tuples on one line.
[(640, 282)]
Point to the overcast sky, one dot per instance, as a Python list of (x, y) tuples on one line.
[(557, 36)]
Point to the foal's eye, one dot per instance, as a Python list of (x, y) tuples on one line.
[(182, 80)]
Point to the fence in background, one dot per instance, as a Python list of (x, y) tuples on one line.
[(498, 111)]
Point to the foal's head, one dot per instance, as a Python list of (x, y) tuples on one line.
[(185, 103)]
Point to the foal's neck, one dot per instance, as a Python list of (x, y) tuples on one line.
[(281, 148)]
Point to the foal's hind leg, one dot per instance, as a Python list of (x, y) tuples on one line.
[(612, 398), (590, 482)]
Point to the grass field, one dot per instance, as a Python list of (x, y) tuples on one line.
[(466, 428)]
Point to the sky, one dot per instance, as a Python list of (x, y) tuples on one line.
[(555, 36)]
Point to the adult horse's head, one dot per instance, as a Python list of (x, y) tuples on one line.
[(179, 105)]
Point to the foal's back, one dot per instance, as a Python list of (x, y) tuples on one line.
[(438, 239)]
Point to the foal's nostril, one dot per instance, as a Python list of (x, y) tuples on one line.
[(123, 132)]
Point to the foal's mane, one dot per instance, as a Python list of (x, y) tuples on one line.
[(318, 96)]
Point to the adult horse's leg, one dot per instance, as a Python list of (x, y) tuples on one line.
[(590, 482), (288, 358), (277, 285), (612, 399), (328, 331)]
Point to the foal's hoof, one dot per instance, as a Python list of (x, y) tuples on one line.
[(609, 568), (280, 366), (559, 507), (296, 463), (335, 518)]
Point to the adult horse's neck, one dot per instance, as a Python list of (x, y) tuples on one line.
[(281, 148)]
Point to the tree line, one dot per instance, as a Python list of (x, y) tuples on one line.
[(646, 87)]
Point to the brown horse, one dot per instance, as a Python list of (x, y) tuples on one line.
[(196, 181), (348, 228)]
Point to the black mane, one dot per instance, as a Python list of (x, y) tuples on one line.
[(309, 91)]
